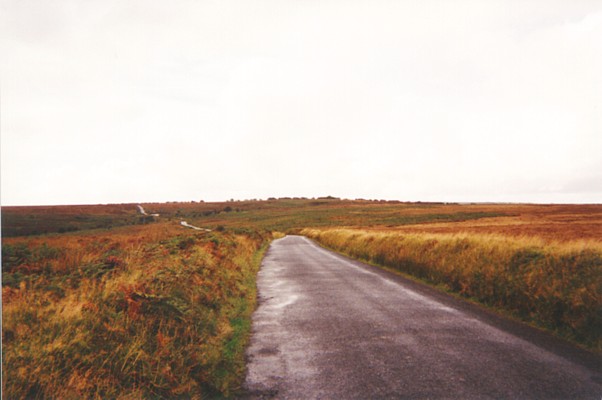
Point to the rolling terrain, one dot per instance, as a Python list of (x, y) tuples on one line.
[(176, 302)]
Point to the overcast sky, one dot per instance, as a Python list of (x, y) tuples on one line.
[(132, 101)]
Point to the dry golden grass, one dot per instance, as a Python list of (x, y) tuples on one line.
[(558, 223), (139, 312), (156, 310), (557, 285)]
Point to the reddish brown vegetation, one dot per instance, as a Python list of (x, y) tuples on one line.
[(551, 222)]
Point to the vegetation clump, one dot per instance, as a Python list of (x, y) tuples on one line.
[(108, 305), (554, 285), (140, 312)]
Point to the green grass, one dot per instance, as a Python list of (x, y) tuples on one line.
[(27, 221), (336, 214), (273, 215)]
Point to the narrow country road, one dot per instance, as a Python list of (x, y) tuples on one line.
[(196, 228), (331, 328)]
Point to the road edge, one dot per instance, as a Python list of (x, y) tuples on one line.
[(506, 323)]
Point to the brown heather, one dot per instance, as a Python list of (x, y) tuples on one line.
[(139, 312), (107, 303)]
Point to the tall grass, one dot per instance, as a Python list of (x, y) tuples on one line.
[(556, 286), (154, 310), (141, 312)]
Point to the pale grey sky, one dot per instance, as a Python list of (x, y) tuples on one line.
[(123, 101)]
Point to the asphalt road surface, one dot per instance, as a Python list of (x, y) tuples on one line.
[(328, 327)]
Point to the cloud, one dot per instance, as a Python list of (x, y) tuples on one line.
[(108, 101)]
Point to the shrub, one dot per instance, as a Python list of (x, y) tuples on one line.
[(145, 313)]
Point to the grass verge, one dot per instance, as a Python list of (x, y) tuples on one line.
[(555, 286), (141, 312)]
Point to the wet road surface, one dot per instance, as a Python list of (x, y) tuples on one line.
[(331, 328)]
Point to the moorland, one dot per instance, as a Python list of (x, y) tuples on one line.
[(103, 301)]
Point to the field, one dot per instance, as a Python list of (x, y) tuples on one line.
[(549, 222), (101, 301), (153, 310)]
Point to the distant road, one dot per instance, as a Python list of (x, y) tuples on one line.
[(196, 228), (332, 328), (143, 212), (183, 223)]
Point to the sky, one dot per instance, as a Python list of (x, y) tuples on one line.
[(119, 101)]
